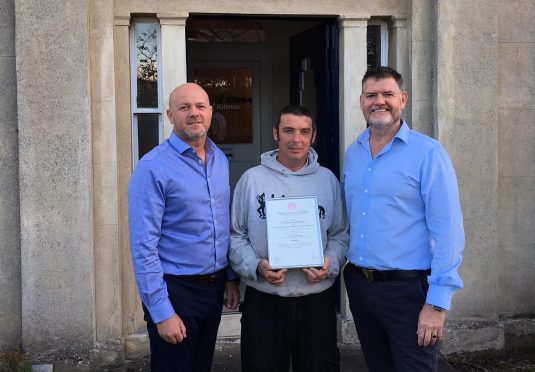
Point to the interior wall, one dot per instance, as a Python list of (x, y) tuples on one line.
[(278, 33)]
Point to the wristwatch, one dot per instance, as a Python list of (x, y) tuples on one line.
[(438, 308)]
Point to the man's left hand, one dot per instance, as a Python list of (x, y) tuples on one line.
[(232, 295), (315, 275), (430, 326)]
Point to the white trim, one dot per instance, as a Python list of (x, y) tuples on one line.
[(133, 94), (135, 141)]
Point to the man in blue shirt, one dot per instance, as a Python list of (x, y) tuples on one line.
[(407, 234), (178, 212)]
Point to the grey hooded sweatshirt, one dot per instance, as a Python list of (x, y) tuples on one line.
[(248, 239)]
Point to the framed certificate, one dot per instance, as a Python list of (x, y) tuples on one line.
[(293, 231)]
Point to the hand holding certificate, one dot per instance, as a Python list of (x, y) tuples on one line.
[(294, 235)]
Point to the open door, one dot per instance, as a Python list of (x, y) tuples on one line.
[(314, 84)]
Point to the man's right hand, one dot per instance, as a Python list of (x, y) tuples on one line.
[(172, 330), (271, 276)]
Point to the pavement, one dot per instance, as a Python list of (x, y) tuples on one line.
[(227, 359)]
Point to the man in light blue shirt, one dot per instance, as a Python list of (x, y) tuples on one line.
[(406, 232), (178, 212)]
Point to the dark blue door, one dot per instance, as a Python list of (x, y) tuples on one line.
[(314, 84)]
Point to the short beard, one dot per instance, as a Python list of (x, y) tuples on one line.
[(381, 125), (197, 137)]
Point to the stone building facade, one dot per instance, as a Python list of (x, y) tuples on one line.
[(68, 132)]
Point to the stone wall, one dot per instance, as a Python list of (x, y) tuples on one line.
[(10, 286), (55, 175), (467, 127), (516, 164), (65, 278)]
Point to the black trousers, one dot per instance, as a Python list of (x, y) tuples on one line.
[(199, 305), (386, 319), (277, 330)]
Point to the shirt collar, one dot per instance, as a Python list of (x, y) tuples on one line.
[(403, 134), (180, 146)]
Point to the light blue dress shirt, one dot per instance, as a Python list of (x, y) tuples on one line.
[(178, 213), (404, 210)]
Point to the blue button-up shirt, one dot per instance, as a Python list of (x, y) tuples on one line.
[(404, 210), (178, 213)]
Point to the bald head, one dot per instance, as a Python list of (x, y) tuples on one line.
[(185, 90), (190, 113)]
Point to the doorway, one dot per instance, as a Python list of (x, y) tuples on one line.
[(238, 83), (251, 67)]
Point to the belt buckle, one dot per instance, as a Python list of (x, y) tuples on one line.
[(212, 278), (368, 274)]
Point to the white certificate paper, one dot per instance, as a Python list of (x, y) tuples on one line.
[(293, 230)]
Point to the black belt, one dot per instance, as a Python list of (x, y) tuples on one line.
[(372, 275), (203, 279)]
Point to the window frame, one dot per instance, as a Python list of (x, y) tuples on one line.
[(384, 38), (135, 110)]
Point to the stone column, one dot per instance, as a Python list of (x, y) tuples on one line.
[(55, 176), (132, 317), (108, 304), (133, 325), (353, 65), (423, 69), (10, 295), (173, 31), (467, 127), (399, 57)]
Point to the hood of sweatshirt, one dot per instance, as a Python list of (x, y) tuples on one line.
[(269, 160)]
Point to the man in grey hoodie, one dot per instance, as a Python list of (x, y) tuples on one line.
[(288, 314)]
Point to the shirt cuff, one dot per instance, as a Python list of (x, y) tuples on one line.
[(161, 312), (439, 296), (252, 265), (231, 275)]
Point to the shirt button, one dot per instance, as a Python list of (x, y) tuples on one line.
[(363, 213), (369, 169), (366, 190), (360, 258), (362, 236)]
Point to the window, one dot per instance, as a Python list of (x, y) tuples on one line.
[(377, 43), (210, 30), (147, 107)]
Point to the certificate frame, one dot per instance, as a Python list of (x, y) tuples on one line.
[(293, 232)]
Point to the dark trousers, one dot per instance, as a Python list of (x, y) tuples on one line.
[(386, 319), (199, 306), (278, 329)]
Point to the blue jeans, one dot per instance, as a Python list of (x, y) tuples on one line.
[(199, 305), (386, 319)]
